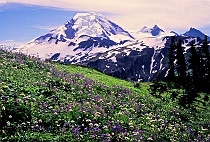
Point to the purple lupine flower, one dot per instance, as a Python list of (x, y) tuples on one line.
[(67, 106), (82, 108), (114, 129), (64, 124), (112, 106), (119, 128), (54, 111), (6, 98), (86, 130), (126, 133), (24, 101), (107, 135), (97, 129), (45, 105), (16, 102), (76, 130), (3, 97), (15, 96)]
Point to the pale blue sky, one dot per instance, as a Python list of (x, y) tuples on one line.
[(23, 23), (24, 20)]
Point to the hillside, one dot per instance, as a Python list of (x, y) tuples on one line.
[(43, 101)]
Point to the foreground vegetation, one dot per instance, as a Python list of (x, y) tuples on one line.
[(41, 101)]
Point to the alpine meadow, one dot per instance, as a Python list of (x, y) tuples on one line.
[(92, 79)]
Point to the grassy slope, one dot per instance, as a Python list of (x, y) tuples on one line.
[(91, 73), (40, 102), (103, 78)]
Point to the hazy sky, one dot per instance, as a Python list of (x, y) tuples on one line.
[(23, 20)]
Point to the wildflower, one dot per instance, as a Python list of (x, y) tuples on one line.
[(15, 102), (127, 138), (96, 125), (91, 124), (10, 116), (85, 129), (24, 101), (15, 96), (150, 139), (135, 133), (8, 123), (3, 108), (61, 109), (3, 97), (88, 120), (40, 121), (107, 135), (54, 111), (130, 123), (22, 95), (44, 104), (105, 127)]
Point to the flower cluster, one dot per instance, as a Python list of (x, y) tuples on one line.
[(38, 100)]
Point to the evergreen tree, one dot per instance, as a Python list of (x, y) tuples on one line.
[(193, 62), (180, 64), (206, 60), (171, 57), (205, 66)]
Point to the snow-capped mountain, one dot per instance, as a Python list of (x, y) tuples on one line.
[(92, 40), (154, 31), (77, 38), (194, 33), (86, 25)]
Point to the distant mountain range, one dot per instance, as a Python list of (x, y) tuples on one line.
[(194, 33), (92, 40), (154, 31)]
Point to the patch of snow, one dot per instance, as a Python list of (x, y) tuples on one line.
[(161, 61), (152, 62), (154, 71)]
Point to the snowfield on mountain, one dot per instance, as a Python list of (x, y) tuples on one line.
[(92, 40)]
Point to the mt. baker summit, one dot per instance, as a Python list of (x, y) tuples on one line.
[(88, 25)]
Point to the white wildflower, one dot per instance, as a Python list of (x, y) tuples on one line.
[(8, 123)]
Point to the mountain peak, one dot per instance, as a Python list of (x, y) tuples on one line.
[(154, 31), (84, 26), (191, 28), (155, 26), (193, 32), (91, 15)]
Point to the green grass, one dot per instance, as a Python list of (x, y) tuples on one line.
[(42, 101), (103, 78)]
